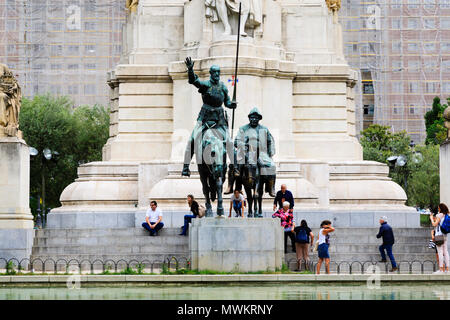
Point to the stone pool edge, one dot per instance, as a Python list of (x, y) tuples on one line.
[(49, 279)]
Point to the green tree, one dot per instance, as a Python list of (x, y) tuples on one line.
[(379, 143), (423, 182), (434, 123), (77, 135)]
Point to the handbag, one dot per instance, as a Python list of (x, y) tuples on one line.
[(439, 238), (201, 211), (316, 246)]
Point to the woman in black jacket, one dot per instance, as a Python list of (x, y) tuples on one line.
[(188, 217)]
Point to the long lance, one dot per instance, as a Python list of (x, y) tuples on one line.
[(236, 69)]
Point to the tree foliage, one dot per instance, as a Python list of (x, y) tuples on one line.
[(434, 123), (419, 177), (423, 182), (76, 134)]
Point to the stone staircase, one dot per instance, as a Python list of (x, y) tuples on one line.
[(347, 244), (109, 244), (361, 244)]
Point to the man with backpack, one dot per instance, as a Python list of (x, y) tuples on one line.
[(388, 241), (303, 237)]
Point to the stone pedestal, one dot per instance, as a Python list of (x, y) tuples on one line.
[(16, 221), (236, 244), (444, 164)]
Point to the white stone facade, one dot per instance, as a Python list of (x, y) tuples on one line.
[(291, 67)]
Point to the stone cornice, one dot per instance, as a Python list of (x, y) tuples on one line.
[(247, 66)]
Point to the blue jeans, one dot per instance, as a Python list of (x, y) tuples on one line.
[(388, 248), (237, 206), (187, 220), (155, 229)]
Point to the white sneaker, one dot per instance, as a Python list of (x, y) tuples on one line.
[(438, 272)]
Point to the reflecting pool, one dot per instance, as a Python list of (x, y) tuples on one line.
[(263, 291)]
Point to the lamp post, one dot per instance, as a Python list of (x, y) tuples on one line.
[(47, 155)]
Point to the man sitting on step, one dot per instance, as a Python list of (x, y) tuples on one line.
[(153, 219)]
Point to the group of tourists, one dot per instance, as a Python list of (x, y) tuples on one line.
[(302, 237)]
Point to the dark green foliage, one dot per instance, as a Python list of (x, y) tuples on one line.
[(434, 123), (76, 134), (419, 177)]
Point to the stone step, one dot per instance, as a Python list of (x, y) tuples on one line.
[(126, 232), (111, 240), (116, 249)]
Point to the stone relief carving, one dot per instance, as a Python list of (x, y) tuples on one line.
[(132, 5), (334, 6), (10, 100), (221, 10)]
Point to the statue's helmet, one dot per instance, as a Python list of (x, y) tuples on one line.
[(214, 67), (255, 111)]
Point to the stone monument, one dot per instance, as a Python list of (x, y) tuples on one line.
[(16, 221), (444, 162), (291, 66)]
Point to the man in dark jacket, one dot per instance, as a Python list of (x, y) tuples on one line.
[(282, 196), (388, 241)]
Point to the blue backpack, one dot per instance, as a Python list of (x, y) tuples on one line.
[(445, 226), (302, 236)]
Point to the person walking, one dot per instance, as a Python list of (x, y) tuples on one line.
[(440, 239), (388, 241), (153, 219), (324, 244), (286, 216), (283, 195), (188, 217), (304, 238)]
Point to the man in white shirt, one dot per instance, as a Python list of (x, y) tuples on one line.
[(153, 219)]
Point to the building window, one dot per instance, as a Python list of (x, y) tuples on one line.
[(413, 47), (72, 89), (429, 47), (90, 66), (396, 4), (397, 65), (413, 65), (396, 47), (412, 109), (413, 87), (55, 66), (445, 4), (56, 50), (73, 50), (89, 88), (429, 23), (368, 109), (73, 66), (413, 23), (430, 64), (368, 88), (56, 26), (89, 49), (10, 25), (445, 23), (429, 4), (89, 25), (413, 4), (397, 87), (446, 87), (431, 87), (445, 46), (396, 24)]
